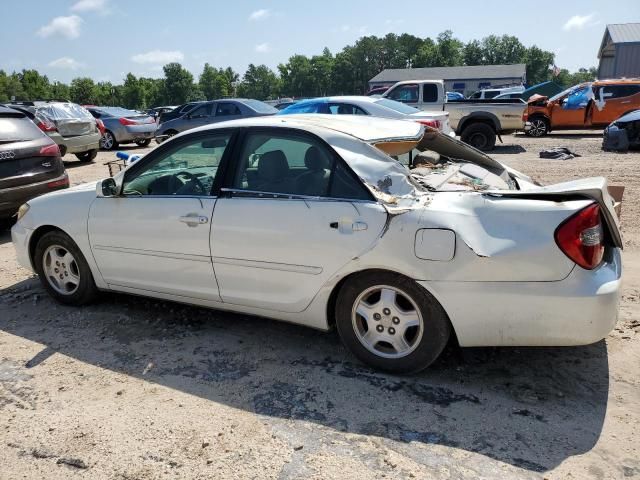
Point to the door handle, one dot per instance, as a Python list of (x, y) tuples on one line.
[(347, 226), (193, 219)]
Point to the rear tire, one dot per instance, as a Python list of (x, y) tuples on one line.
[(143, 143), (88, 156), (480, 136), (390, 322), (108, 141), (63, 270), (539, 127)]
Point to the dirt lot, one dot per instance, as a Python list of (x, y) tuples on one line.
[(139, 389)]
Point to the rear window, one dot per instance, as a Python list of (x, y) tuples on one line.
[(18, 129), (259, 106), (429, 93)]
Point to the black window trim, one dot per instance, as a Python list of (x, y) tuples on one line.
[(227, 190)]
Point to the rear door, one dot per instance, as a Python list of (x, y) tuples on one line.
[(226, 111), (613, 101), (291, 215)]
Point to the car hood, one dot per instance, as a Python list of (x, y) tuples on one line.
[(537, 98)]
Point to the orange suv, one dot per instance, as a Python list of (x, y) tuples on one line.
[(587, 105)]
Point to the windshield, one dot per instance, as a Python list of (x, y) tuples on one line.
[(567, 91), (259, 106), (118, 112), (397, 106)]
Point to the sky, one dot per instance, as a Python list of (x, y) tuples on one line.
[(105, 39)]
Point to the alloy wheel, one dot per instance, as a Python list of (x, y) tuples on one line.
[(107, 141), (61, 270), (538, 128), (387, 321)]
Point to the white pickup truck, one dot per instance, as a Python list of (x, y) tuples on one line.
[(477, 122)]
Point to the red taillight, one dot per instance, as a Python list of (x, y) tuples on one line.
[(46, 126), (63, 182), (431, 123), (50, 151), (126, 121), (100, 125), (581, 238)]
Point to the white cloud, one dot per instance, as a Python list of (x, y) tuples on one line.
[(578, 22), (65, 26), (261, 14), (159, 57), (263, 48), (66, 63), (89, 6)]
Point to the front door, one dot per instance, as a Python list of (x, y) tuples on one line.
[(155, 236), (292, 215), (570, 111)]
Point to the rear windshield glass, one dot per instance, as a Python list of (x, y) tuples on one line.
[(259, 106), (118, 111), (18, 129), (397, 106), (64, 111)]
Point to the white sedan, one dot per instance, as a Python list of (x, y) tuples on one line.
[(310, 220)]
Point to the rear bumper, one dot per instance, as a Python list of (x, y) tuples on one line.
[(12, 198), (132, 133), (579, 310), (79, 144)]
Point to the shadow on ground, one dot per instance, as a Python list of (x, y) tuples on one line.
[(531, 408), (507, 149)]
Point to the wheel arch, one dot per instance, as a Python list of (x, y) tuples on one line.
[(40, 232), (486, 118)]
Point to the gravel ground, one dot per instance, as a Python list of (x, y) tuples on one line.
[(132, 388)]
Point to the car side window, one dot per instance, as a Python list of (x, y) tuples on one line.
[(345, 109), (619, 91), (225, 109), (292, 164), (188, 169), (429, 93), (200, 112), (405, 93)]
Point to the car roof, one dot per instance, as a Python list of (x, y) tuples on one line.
[(617, 81), (11, 111), (366, 128)]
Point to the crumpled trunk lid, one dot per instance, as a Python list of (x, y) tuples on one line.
[(75, 127), (594, 188)]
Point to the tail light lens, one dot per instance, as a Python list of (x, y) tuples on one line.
[(431, 123), (581, 237), (63, 182), (46, 125), (126, 121), (100, 125), (50, 151)]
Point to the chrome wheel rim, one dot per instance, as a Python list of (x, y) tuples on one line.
[(61, 270), (387, 321), (107, 141), (538, 128)]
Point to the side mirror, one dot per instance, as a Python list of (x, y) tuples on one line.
[(107, 188)]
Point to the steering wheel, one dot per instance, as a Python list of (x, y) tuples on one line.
[(197, 184)]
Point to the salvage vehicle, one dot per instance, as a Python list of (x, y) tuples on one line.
[(68, 124), (623, 134), (590, 105), (308, 219), (213, 112), (477, 122), (124, 126), (30, 163), (375, 106)]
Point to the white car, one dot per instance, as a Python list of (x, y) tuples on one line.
[(308, 219)]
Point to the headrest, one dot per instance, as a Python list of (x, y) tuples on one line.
[(314, 160), (273, 165)]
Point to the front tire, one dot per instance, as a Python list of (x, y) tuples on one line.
[(63, 270), (108, 141), (539, 127), (390, 322), (143, 143), (480, 136), (88, 156)]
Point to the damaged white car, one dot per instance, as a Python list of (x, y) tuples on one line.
[(309, 219)]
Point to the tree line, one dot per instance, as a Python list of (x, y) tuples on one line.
[(345, 73)]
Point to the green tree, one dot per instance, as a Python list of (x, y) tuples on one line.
[(259, 82), (35, 86), (82, 90), (297, 77), (322, 68), (178, 83), (473, 53), (133, 93), (216, 83), (538, 64)]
